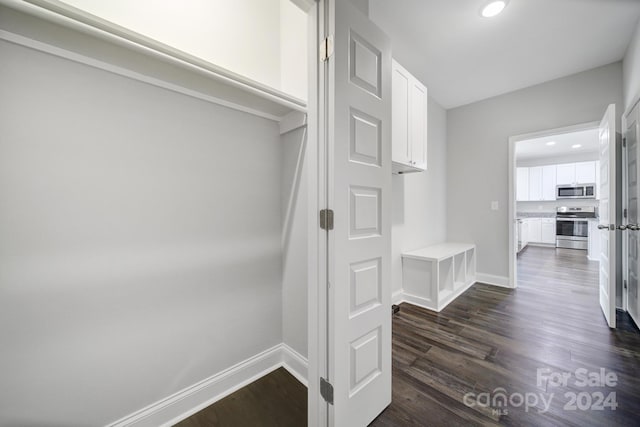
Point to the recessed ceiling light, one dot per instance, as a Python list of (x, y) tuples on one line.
[(494, 8), (551, 143), (576, 146)]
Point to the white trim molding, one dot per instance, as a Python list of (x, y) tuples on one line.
[(398, 297), (490, 279), (295, 363), (188, 401), (512, 208)]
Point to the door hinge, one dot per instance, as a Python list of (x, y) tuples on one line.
[(326, 391), (624, 142), (326, 219), (624, 212), (326, 48), (624, 284)]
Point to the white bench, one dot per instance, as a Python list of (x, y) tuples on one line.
[(434, 276)]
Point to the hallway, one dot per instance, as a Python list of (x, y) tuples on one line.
[(492, 338)]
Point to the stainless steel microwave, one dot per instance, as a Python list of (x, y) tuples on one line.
[(580, 191)]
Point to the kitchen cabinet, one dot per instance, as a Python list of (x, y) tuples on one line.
[(535, 183), (548, 231), (535, 231), (522, 184), (576, 173), (549, 182), (409, 122), (566, 174), (586, 173), (523, 234)]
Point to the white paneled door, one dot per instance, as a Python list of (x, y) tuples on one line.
[(359, 192), (607, 135)]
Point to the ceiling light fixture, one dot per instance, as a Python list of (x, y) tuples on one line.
[(493, 8), (576, 146), (551, 143)]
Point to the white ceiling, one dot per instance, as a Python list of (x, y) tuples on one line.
[(463, 57), (538, 149)]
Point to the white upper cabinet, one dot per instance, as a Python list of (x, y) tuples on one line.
[(539, 183), (566, 174), (586, 173), (409, 122), (549, 182), (401, 84), (577, 173), (522, 184), (418, 123), (535, 183)]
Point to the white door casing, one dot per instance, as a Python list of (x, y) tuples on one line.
[(632, 127), (359, 193), (607, 210)]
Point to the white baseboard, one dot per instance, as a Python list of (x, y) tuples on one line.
[(419, 301), (180, 405), (490, 279), (397, 297), (295, 363)]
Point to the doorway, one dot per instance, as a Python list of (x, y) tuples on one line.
[(554, 201)]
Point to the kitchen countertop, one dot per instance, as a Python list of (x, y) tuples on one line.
[(535, 214), (525, 215)]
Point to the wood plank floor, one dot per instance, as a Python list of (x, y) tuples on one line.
[(275, 400), (492, 337), (488, 338)]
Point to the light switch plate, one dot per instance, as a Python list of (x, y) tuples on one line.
[(494, 205)]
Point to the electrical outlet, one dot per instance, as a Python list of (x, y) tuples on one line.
[(494, 205)]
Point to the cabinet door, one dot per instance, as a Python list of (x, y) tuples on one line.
[(598, 180), (549, 182), (535, 231), (586, 173), (535, 183), (522, 184), (401, 85), (525, 233), (548, 231), (566, 174), (418, 125)]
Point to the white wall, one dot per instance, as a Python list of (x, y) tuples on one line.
[(140, 241), (294, 241), (478, 136), (558, 160), (362, 6), (632, 70), (420, 199)]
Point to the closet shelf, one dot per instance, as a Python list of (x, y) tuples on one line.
[(56, 28)]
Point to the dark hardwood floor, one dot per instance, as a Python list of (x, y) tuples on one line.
[(488, 338), (492, 338), (275, 400)]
